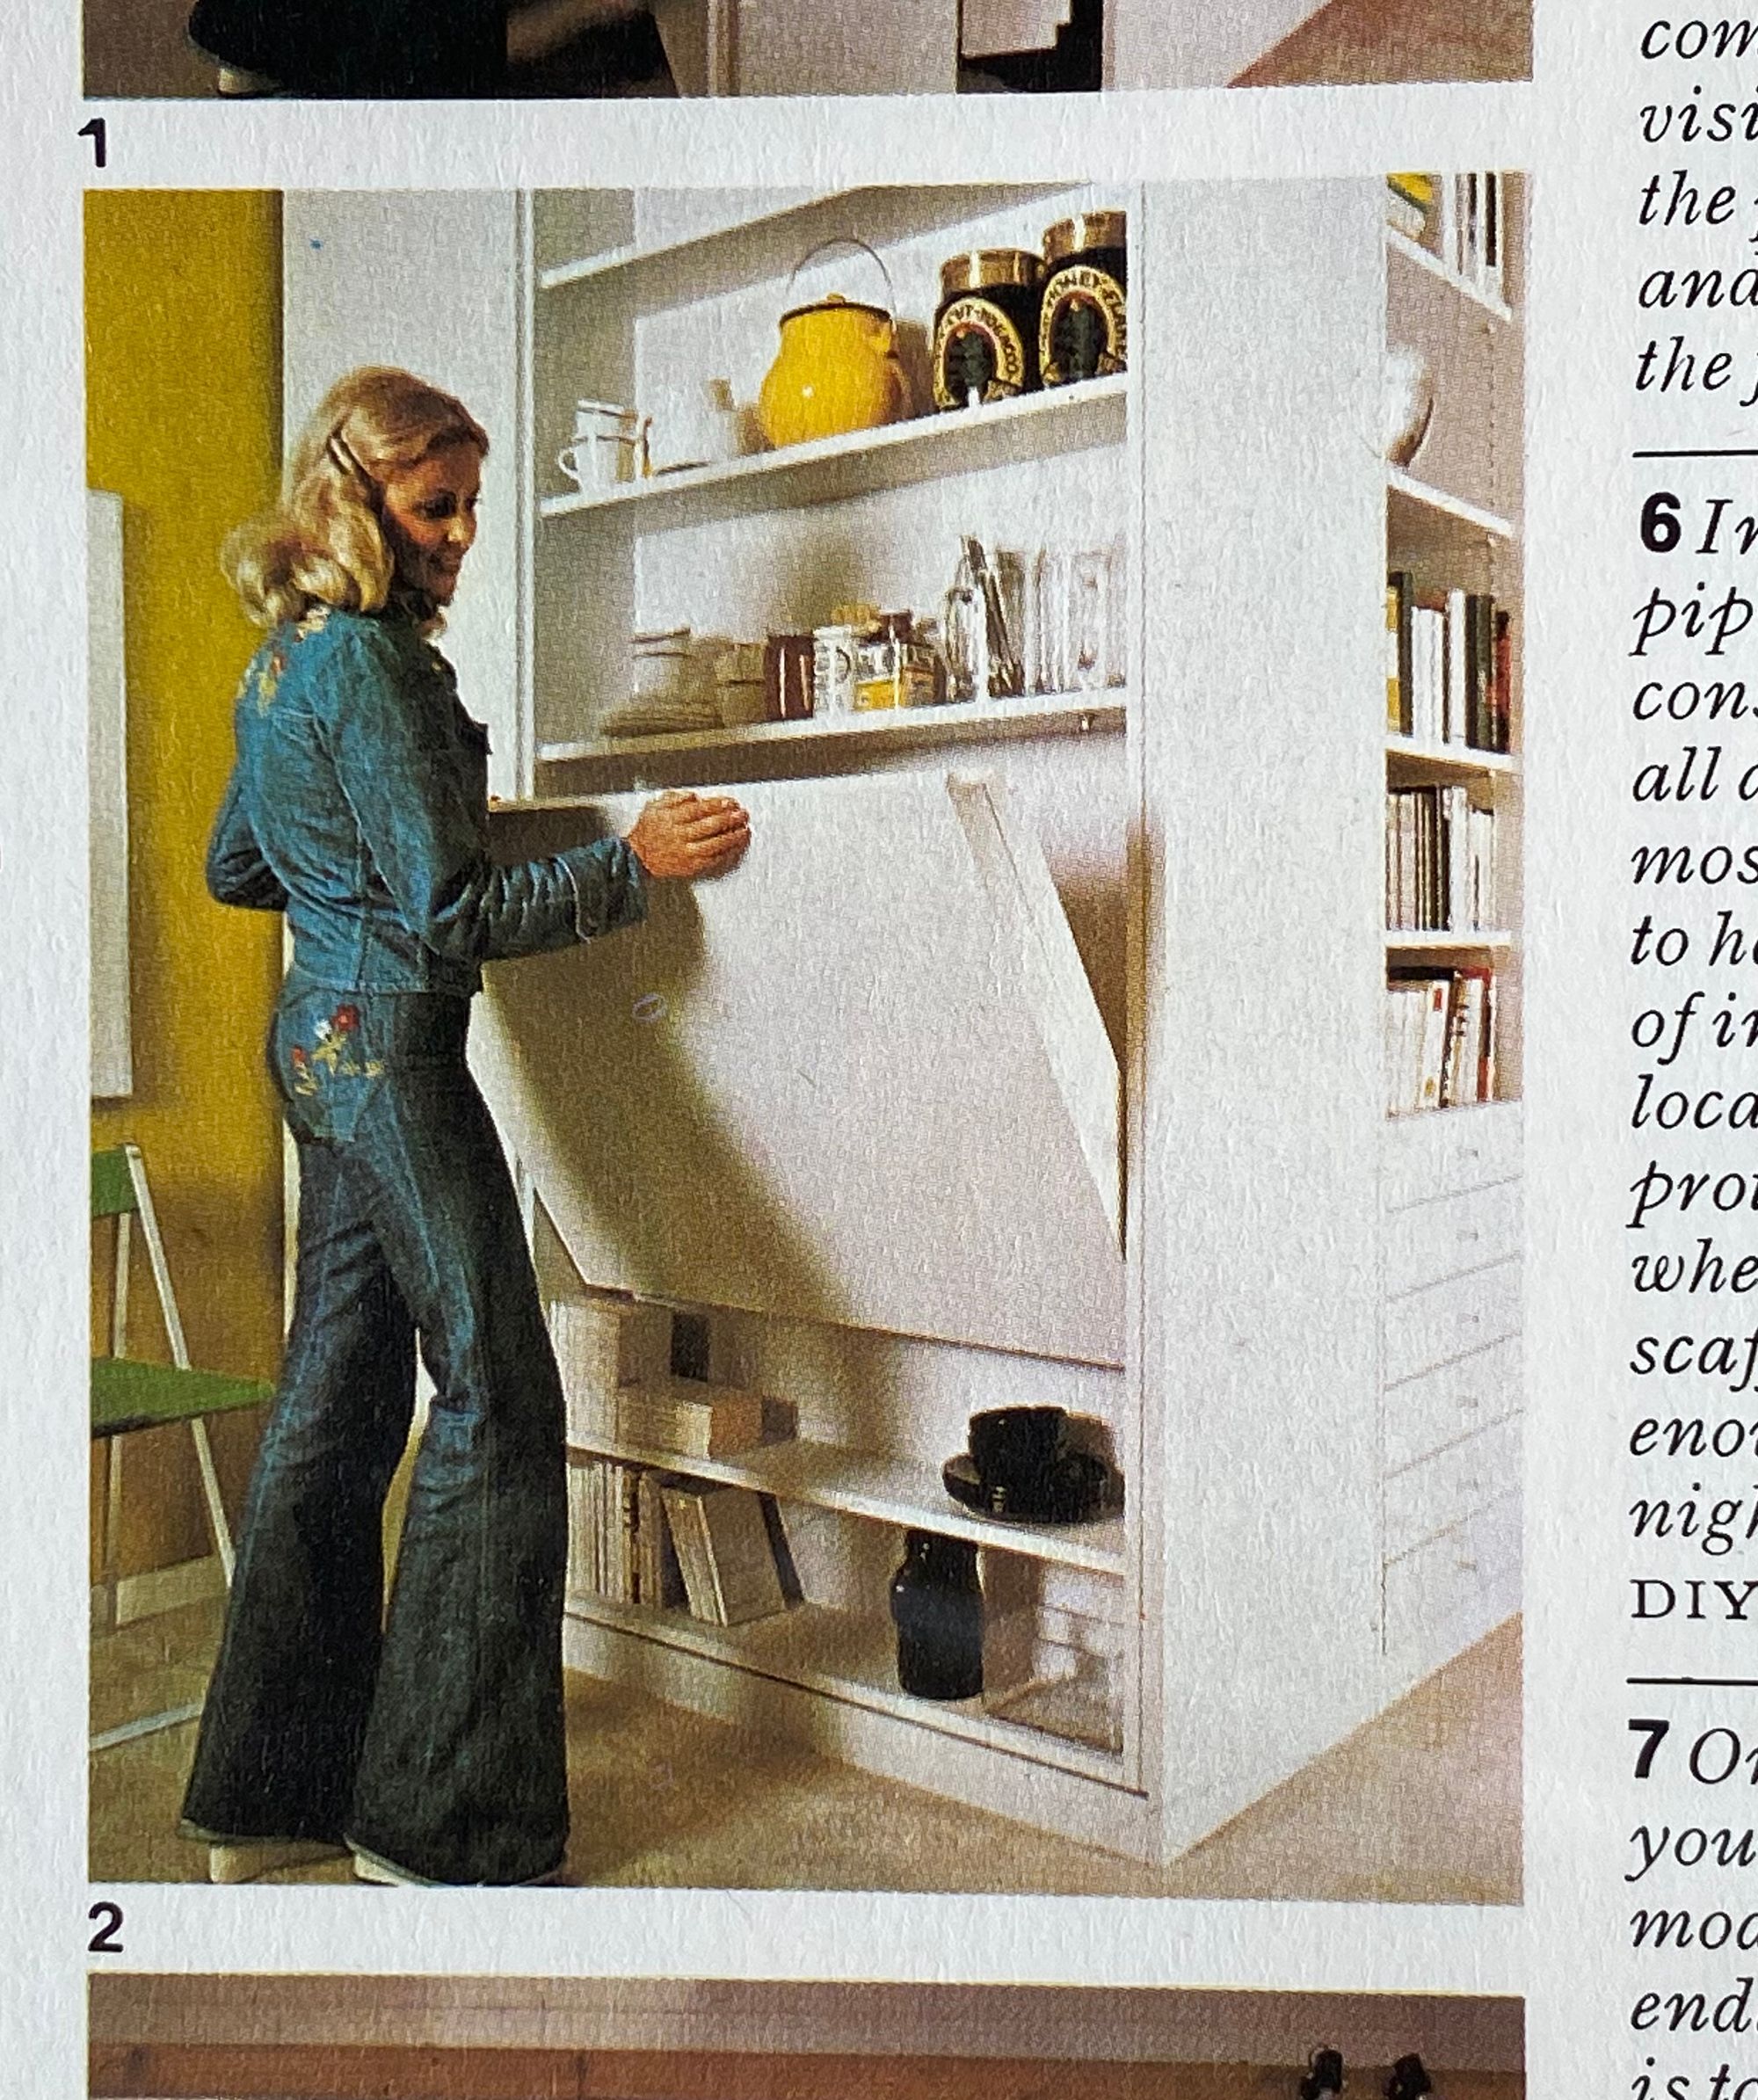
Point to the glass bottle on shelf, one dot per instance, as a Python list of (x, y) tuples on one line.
[(937, 1607)]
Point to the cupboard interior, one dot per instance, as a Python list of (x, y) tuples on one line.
[(876, 1408)]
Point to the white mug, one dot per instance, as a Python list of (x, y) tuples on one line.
[(597, 462)]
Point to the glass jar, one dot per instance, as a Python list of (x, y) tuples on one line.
[(986, 336), (1083, 326), (937, 1607), (895, 667)]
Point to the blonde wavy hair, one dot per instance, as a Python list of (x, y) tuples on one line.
[(324, 543)]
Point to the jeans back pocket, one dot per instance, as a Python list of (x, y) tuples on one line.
[(326, 1059)]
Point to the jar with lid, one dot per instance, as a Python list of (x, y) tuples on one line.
[(985, 337), (895, 667), (1083, 325)]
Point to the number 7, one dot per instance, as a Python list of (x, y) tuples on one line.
[(1656, 1731)]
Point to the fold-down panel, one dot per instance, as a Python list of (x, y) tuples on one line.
[(859, 1079)]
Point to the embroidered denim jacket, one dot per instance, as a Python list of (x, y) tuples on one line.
[(358, 806)]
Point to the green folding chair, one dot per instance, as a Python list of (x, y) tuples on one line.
[(129, 1393)]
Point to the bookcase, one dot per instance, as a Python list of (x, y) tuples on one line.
[(1034, 1054)]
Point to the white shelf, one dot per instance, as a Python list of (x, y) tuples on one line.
[(1437, 503), (695, 265), (1059, 714), (1411, 940), (1459, 761), (925, 448), (851, 1657), (1425, 258), (904, 1492)]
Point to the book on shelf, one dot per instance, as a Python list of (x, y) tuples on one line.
[(1440, 1039), (1400, 597), (1448, 663), (724, 1553), (618, 1545), (689, 1416), (1472, 221), (603, 1342), (1440, 862)]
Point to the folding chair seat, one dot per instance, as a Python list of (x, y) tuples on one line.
[(129, 1393)]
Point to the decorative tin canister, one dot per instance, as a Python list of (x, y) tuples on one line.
[(985, 340), (1083, 327)]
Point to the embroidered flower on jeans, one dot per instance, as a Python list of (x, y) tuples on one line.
[(333, 1053)]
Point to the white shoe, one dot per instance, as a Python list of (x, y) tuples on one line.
[(371, 1866), (250, 1858), (237, 84)]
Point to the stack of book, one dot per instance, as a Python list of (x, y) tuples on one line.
[(636, 1536), (1460, 219), (688, 1416), (1449, 665), (618, 1545), (1440, 1039), (604, 1342), (1440, 862), (1472, 225)]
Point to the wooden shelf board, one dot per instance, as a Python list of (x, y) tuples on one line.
[(1425, 258), (1438, 503), (847, 1656), (1030, 715), (904, 1492), (1413, 940), (925, 448), (693, 265), (1459, 760)]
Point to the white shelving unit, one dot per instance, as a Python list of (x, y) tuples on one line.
[(1450, 1194), (925, 448), (1033, 1054), (912, 47)]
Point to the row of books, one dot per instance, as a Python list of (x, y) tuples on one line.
[(614, 1356), (1440, 1039), (640, 1537), (1440, 862), (1462, 219), (1449, 665)]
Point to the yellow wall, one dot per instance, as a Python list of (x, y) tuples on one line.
[(183, 422)]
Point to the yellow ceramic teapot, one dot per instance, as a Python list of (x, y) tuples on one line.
[(837, 369)]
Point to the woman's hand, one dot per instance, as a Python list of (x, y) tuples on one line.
[(684, 835)]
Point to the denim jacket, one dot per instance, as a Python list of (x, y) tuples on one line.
[(358, 806)]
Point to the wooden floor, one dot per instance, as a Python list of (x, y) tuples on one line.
[(1354, 40), (1422, 1805), (138, 47)]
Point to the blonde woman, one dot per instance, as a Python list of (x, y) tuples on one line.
[(426, 1737)]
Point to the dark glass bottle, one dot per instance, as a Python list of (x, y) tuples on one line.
[(937, 1606)]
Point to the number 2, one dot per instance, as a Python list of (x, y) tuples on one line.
[(107, 1917)]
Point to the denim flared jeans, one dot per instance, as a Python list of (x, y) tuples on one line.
[(429, 1732)]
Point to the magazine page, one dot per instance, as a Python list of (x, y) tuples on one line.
[(881, 1049)]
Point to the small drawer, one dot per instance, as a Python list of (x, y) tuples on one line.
[(1429, 1242), (1431, 1326), (1439, 1407), (1465, 1570), (1447, 1152), (1440, 1492)]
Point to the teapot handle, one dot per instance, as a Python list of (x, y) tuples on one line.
[(844, 240)]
